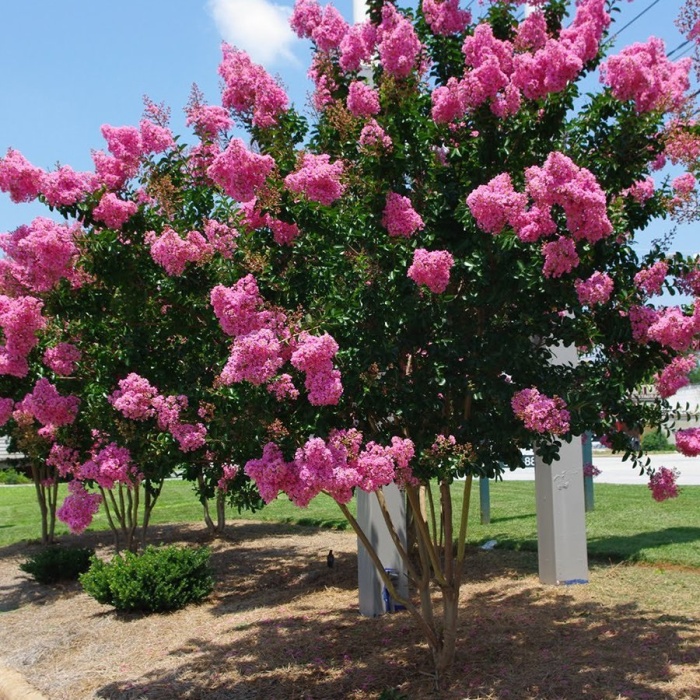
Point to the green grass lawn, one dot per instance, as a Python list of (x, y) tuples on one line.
[(627, 524)]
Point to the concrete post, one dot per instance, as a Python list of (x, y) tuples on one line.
[(370, 519), (561, 517)]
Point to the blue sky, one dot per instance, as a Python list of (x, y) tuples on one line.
[(68, 67)]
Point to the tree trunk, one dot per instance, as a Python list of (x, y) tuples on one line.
[(220, 512)]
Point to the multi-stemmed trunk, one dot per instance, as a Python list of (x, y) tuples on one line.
[(438, 564), (46, 486)]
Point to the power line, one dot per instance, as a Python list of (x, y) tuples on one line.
[(634, 19), (678, 48)]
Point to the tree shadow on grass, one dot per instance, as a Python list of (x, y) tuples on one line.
[(632, 547), (517, 641)]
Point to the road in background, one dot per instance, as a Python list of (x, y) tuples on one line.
[(615, 471)]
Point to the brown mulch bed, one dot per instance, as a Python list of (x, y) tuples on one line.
[(282, 625)]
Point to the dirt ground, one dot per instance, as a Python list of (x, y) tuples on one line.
[(281, 625)]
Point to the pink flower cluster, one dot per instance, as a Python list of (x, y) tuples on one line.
[(173, 253), (363, 101), (137, 399), (40, 255), (675, 375), (19, 178), (110, 465), (325, 27), (62, 358), (558, 182), (79, 507), (240, 172), (398, 44), (594, 290), (688, 442), (20, 320), (113, 211), (357, 46), (250, 90), (445, 17), (399, 217), (64, 459), (335, 466), (208, 121), (66, 187), (672, 328), (541, 413), (641, 318), (662, 484), (317, 179), (228, 474), (591, 470), (373, 139), (643, 74), (7, 406), (431, 268), (47, 406), (642, 190), (263, 343), (501, 72), (651, 279), (684, 184), (314, 355)]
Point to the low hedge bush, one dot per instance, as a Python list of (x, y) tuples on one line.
[(57, 563), (157, 580)]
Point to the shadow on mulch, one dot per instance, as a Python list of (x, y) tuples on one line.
[(518, 641)]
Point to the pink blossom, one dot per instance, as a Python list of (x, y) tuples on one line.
[(399, 217), (583, 35), (688, 442), (357, 46), (190, 437), (111, 171), (255, 358), (307, 15), (19, 177), (64, 459), (449, 102), (168, 410), (532, 32), (560, 257), (642, 73), (642, 190), (445, 17), (591, 470), (20, 320), (663, 484), (314, 356), (675, 375), (283, 233), (594, 290), (155, 138), (549, 70), (221, 237), (329, 32), (48, 406), (241, 310), (134, 397), (62, 358), (496, 204), (363, 101), (320, 72), (674, 329), (250, 90), (173, 252), (240, 172), (282, 387), (399, 47), (79, 507), (684, 184), (66, 187), (541, 413), (208, 121), (641, 319), (124, 143), (650, 280), (7, 406), (317, 178), (270, 473), (374, 138), (228, 474), (431, 268), (111, 465), (114, 211), (41, 254)]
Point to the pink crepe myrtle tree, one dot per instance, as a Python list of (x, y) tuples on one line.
[(357, 307)]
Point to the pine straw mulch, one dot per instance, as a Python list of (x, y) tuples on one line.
[(282, 625)]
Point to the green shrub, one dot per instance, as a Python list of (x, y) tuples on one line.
[(158, 580), (56, 563), (12, 477), (656, 442)]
